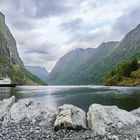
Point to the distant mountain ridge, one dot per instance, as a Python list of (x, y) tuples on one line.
[(38, 71), (70, 68), (73, 70)]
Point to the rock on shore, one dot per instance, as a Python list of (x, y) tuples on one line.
[(32, 110), (5, 106), (70, 116), (29, 119), (100, 118)]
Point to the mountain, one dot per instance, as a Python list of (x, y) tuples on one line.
[(127, 49), (8, 44), (75, 69), (10, 62), (40, 72), (71, 68)]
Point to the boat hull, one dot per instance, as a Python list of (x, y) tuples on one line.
[(7, 85)]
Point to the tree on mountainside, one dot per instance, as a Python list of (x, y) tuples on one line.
[(123, 70)]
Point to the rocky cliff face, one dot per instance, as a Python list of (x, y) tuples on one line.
[(10, 62), (11, 44), (8, 43)]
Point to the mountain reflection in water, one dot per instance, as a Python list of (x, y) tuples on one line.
[(127, 98)]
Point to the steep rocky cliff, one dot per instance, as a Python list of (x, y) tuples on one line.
[(8, 43), (10, 62)]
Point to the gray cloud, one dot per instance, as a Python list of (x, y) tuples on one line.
[(72, 26), (127, 21), (91, 39), (36, 8), (121, 26), (44, 43), (46, 51), (23, 12), (50, 8), (22, 24)]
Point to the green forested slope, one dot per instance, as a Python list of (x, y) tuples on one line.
[(127, 49), (93, 70), (125, 74), (73, 67)]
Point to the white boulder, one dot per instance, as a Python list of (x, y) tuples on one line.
[(70, 116), (31, 110), (102, 117), (5, 105)]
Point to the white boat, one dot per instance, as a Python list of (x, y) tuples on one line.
[(6, 82)]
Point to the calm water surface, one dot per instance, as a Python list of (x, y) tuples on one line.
[(82, 96)]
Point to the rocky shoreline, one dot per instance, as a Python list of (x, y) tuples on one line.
[(32, 120)]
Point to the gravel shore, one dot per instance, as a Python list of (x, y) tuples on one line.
[(26, 130), (31, 120)]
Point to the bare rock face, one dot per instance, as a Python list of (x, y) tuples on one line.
[(31, 110), (100, 118), (9, 46), (5, 106), (71, 117)]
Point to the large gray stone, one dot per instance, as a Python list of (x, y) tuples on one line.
[(29, 109), (70, 116), (5, 106), (100, 118)]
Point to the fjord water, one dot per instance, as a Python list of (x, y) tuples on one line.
[(127, 98)]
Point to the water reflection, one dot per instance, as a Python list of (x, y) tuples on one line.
[(81, 96), (5, 92)]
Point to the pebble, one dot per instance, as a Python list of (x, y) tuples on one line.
[(26, 130)]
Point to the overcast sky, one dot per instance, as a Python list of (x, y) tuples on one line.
[(46, 29)]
